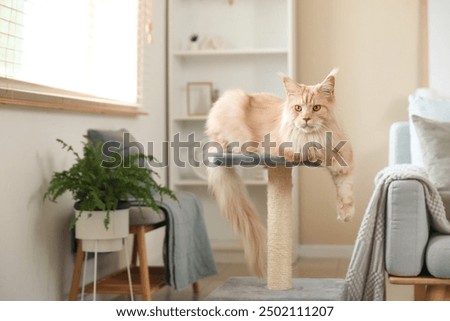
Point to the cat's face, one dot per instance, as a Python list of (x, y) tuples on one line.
[(309, 107)]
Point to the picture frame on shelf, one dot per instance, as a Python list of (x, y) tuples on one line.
[(199, 98)]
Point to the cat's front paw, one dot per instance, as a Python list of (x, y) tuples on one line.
[(289, 155), (345, 208)]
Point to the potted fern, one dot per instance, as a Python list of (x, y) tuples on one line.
[(102, 188)]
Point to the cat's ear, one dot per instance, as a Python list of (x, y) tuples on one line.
[(291, 86), (327, 86)]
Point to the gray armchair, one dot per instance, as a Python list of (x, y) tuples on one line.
[(414, 254)]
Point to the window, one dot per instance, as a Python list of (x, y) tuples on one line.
[(81, 50)]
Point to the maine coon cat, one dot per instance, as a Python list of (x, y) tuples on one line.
[(304, 118)]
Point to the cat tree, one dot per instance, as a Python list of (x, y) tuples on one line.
[(279, 214), (280, 284)]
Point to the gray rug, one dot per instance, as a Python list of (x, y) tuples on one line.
[(253, 289)]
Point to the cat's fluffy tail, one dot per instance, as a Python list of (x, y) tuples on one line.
[(232, 197)]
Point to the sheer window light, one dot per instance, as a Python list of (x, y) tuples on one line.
[(88, 49)]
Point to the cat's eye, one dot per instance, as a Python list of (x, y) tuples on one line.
[(316, 107), (298, 108)]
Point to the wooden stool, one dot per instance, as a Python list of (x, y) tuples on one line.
[(426, 288), (117, 283)]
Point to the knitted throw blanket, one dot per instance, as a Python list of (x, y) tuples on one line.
[(365, 278)]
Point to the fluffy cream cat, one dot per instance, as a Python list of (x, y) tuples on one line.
[(305, 123)]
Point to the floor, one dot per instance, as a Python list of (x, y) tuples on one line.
[(304, 268)]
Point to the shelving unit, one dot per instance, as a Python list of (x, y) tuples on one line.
[(201, 118), (254, 41), (200, 182), (230, 52)]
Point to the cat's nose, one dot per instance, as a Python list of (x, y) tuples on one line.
[(306, 119)]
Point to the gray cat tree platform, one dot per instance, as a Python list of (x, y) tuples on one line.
[(253, 289), (279, 284)]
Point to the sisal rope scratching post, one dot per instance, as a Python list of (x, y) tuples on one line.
[(279, 228), (279, 213), (279, 244)]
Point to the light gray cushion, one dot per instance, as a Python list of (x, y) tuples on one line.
[(437, 109), (407, 228), (438, 256), (434, 139), (118, 140), (122, 137), (145, 216), (399, 147), (122, 140)]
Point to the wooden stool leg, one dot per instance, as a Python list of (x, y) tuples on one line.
[(76, 273), (436, 292), (134, 251), (447, 294), (420, 292), (143, 265), (130, 282), (196, 287)]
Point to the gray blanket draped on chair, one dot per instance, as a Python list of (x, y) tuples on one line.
[(365, 278), (187, 251)]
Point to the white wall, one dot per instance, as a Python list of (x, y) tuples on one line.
[(376, 45), (439, 46), (34, 239)]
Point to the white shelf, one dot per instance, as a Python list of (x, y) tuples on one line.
[(191, 118), (199, 182), (230, 52), (191, 182), (255, 183)]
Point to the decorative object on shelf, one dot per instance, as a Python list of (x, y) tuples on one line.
[(211, 43), (100, 183), (194, 42), (199, 98)]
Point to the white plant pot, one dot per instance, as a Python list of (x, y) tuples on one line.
[(91, 230)]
